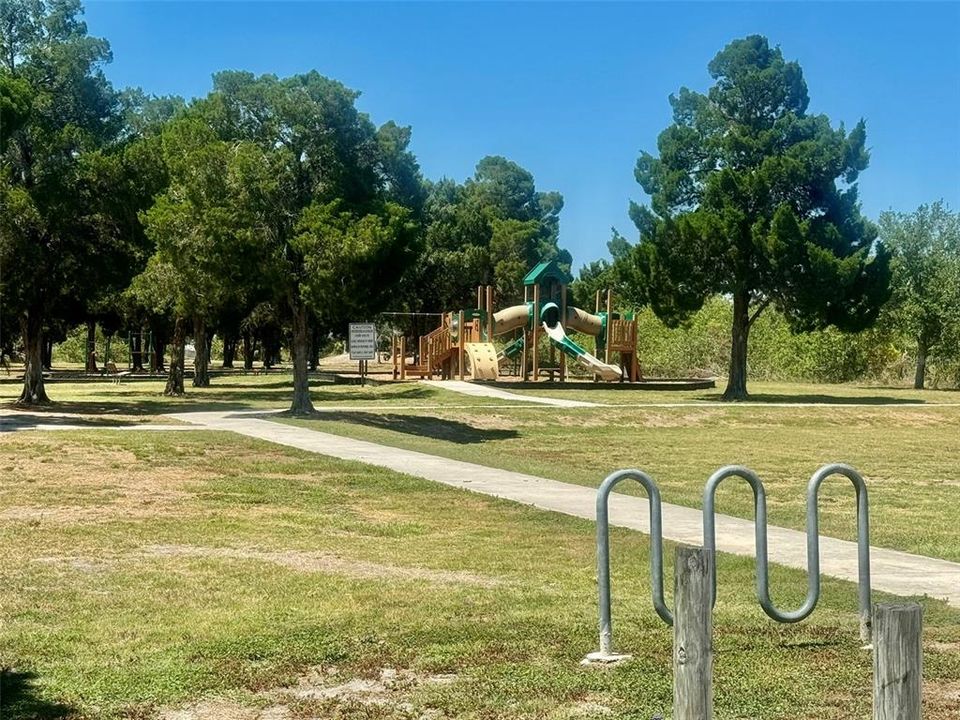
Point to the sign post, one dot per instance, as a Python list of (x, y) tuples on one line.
[(362, 342)]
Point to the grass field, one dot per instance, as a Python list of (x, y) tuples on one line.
[(908, 454), (148, 571), (144, 399)]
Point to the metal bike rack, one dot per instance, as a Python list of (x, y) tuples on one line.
[(813, 540), (606, 652)]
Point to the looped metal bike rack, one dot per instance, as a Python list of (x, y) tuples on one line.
[(603, 552), (813, 540), (606, 651)]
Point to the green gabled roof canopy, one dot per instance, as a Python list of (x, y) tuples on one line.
[(547, 270)]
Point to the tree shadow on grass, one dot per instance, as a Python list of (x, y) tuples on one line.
[(217, 397), (421, 426), (27, 421), (19, 699)]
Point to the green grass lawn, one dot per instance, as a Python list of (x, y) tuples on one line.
[(766, 392), (140, 572), (144, 399), (908, 454)]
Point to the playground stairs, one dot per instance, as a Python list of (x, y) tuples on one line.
[(436, 355)]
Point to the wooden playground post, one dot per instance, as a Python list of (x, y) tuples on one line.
[(606, 344), (393, 355), (536, 335), (489, 313), (596, 303), (524, 375), (403, 357), (563, 320), (461, 339), (479, 297)]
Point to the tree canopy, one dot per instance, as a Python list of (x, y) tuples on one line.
[(63, 111), (754, 198), (925, 246)]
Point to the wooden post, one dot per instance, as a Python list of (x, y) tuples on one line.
[(692, 636), (596, 303), (897, 661), (563, 321), (479, 297), (393, 355), (461, 339), (524, 375), (403, 357), (606, 344), (489, 313), (536, 334)]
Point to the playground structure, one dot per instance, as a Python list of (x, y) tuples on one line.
[(462, 346)]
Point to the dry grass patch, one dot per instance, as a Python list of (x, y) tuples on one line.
[(319, 562), (321, 693)]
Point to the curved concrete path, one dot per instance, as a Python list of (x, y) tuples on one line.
[(479, 389), (892, 571)]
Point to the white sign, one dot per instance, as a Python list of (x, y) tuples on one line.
[(363, 341)]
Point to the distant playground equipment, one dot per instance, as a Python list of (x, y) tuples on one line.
[(462, 345), (891, 631)]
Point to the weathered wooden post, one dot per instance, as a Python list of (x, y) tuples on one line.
[(692, 636), (897, 661)]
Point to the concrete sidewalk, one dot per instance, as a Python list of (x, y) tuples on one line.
[(478, 389), (892, 571)]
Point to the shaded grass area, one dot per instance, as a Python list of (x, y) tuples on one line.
[(141, 400), (908, 455), (143, 572)]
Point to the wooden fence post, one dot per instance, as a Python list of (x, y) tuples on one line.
[(897, 661), (692, 636)]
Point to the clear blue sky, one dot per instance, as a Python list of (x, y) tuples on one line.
[(572, 91)]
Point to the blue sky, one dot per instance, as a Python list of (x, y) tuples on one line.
[(572, 92)]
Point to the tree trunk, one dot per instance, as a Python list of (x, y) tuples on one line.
[(301, 404), (175, 376), (922, 350), (229, 350), (737, 377), (201, 361), (31, 326), (247, 351), (91, 346)]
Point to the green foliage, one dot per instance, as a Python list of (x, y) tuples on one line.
[(490, 230), (752, 197), (702, 346), (926, 279), (60, 109), (346, 256)]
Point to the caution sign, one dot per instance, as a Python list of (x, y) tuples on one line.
[(362, 341)]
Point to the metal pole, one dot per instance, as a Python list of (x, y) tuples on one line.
[(692, 636), (606, 652)]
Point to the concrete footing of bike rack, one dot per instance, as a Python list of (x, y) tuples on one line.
[(602, 659)]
